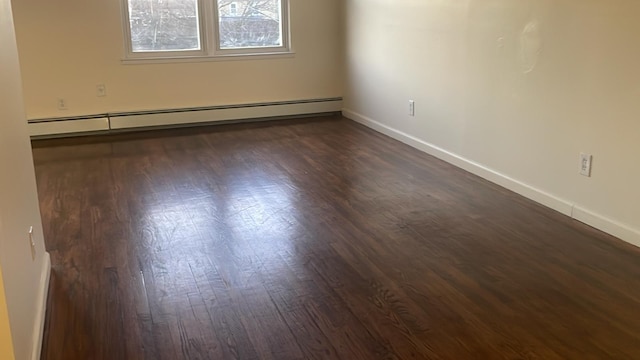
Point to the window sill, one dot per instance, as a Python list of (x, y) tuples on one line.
[(206, 58)]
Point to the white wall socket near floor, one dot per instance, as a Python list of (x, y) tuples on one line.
[(62, 104), (412, 108), (32, 243), (101, 90), (585, 164)]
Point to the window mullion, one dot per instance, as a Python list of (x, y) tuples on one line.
[(215, 19), (208, 31)]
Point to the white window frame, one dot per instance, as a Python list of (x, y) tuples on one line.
[(210, 50)]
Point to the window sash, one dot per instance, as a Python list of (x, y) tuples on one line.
[(284, 35)]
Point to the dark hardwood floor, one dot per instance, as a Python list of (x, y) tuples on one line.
[(315, 239)]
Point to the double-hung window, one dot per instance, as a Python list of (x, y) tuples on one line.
[(184, 29)]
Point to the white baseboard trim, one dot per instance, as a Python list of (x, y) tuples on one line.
[(617, 229), (610, 226), (38, 330)]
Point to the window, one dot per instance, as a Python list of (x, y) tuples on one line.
[(174, 29), (164, 25), (255, 24)]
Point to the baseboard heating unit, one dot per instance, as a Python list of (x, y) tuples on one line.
[(127, 121)]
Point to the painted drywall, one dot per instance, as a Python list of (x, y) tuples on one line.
[(19, 210), (514, 90), (67, 47), (6, 344)]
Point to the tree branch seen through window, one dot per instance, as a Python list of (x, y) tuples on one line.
[(252, 23)]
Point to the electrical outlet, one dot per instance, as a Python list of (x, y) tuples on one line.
[(412, 108), (101, 90), (32, 243), (62, 104), (585, 164)]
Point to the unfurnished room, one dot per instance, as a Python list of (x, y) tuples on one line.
[(335, 179)]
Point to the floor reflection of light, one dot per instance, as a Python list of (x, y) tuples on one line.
[(262, 215), (249, 212)]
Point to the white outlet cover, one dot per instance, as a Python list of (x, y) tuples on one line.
[(101, 90), (585, 164)]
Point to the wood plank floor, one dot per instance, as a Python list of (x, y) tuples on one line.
[(315, 239)]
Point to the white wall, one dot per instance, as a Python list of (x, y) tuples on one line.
[(23, 277), (67, 47), (512, 90)]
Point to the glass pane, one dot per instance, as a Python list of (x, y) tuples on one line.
[(164, 25), (250, 23)]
